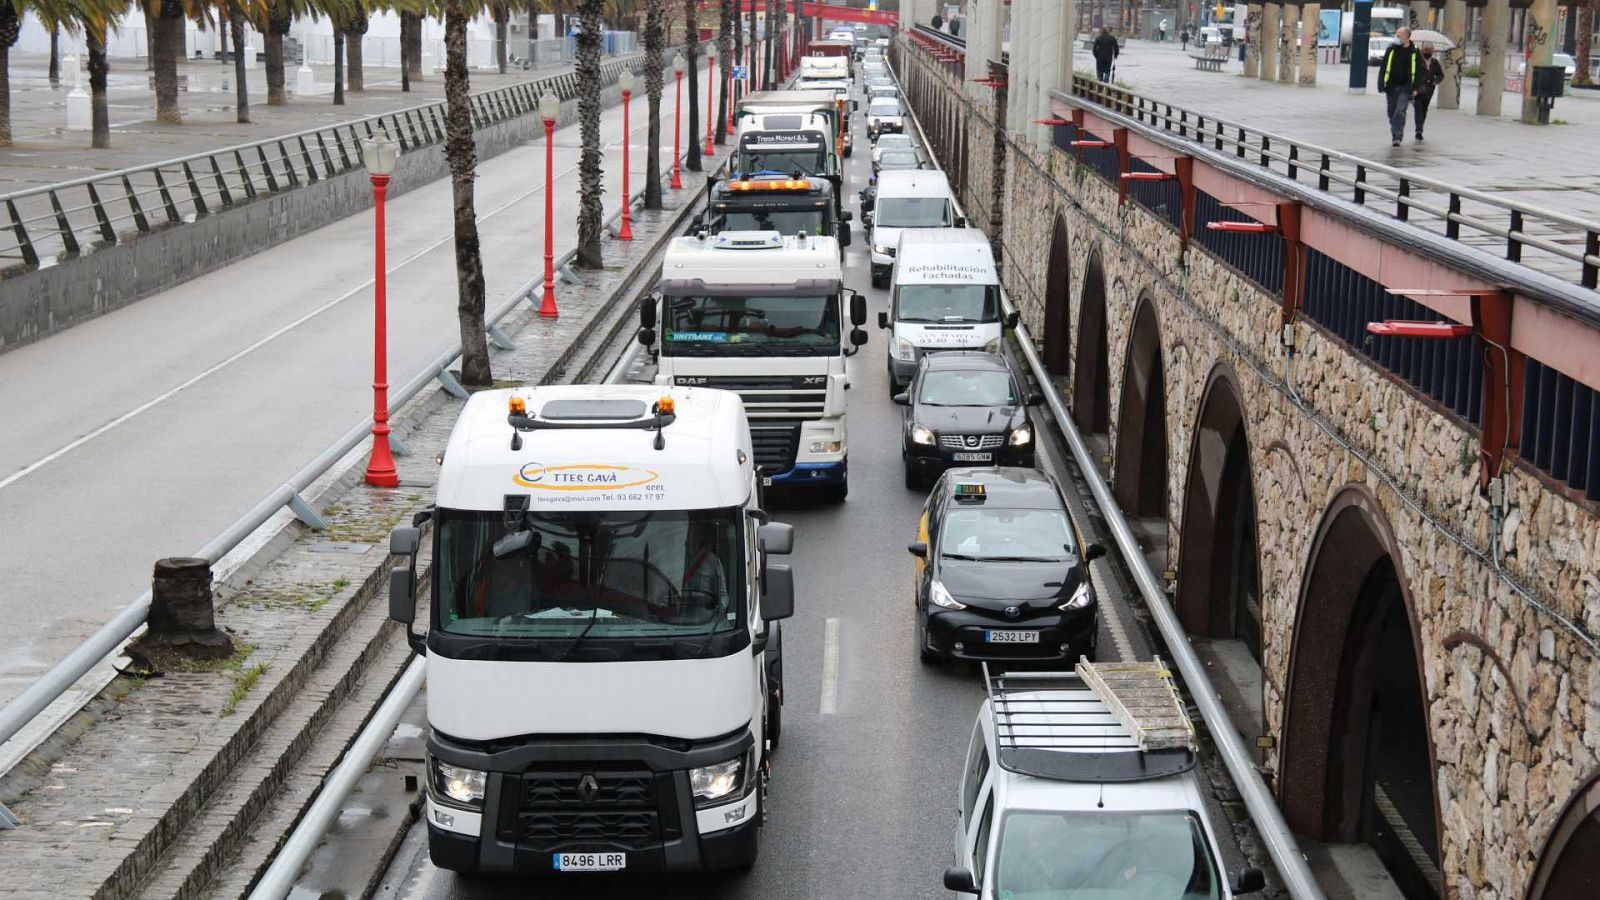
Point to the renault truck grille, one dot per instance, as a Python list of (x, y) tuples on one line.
[(561, 810)]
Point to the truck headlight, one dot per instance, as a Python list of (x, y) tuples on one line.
[(718, 781), (992, 347), (921, 435), (1021, 437), (904, 350), (826, 446), (460, 784), (882, 250), (941, 597), (1080, 598)]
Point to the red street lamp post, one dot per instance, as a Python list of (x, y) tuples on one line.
[(379, 155), (549, 109), (711, 106), (677, 120), (625, 233)]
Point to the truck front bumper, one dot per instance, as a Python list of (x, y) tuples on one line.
[(813, 473)]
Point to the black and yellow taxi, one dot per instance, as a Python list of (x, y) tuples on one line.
[(1002, 571)]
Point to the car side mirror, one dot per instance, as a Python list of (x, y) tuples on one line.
[(1249, 881), (1093, 551), (1035, 398), (959, 880), (777, 595), (919, 549), (1012, 318), (883, 320), (902, 399), (857, 337), (858, 309), (776, 538)]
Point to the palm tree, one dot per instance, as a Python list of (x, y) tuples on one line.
[(654, 41), (724, 53), (357, 19), (691, 44), (590, 186), (280, 15), (166, 31), (94, 39), (1585, 41), (338, 64), (502, 17), (235, 18), (462, 157)]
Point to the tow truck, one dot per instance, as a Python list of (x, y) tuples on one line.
[(604, 659), (761, 313), (774, 203)]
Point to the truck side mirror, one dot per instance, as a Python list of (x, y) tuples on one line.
[(647, 312), (959, 880), (858, 309), (883, 320), (847, 216), (1012, 318), (776, 538), (647, 336), (697, 222), (857, 337), (777, 597), (404, 542), (1248, 881)]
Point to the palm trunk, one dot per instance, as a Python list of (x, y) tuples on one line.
[(352, 56), (55, 54), (502, 17), (724, 53), (222, 39), (272, 57), (691, 46), (654, 42), (1585, 42), (5, 93), (100, 114), (590, 177), (462, 157), (168, 31), (413, 42), (338, 65), (405, 52), (242, 90), (768, 65)]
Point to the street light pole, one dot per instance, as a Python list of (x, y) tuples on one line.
[(711, 106), (379, 155), (549, 109), (677, 120), (625, 233)]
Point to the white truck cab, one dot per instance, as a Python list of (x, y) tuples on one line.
[(906, 199), (604, 661), (944, 295), (1066, 790), (764, 314)]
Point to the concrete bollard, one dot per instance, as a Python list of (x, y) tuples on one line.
[(80, 113), (182, 623), (249, 55), (305, 81)]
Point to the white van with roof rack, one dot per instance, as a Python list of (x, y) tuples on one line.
[(1082, 784)]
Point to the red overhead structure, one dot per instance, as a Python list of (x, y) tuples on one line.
[(829, 12)]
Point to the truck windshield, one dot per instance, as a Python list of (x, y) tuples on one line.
[(614, 574), (947, 303), (751, 326), (1105, 856), (787, 160), (912, 212), (787, 221)]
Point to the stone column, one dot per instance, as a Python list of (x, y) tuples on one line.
[(1418, 17), (1288, 52), (1310, 17), (1055, 46), (1270, 14), (1539, 44), (1016, 96), (1455, 28), (1252, 56), (1492, 57)]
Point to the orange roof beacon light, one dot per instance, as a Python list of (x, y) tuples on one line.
[(519, 406), (666, 406)]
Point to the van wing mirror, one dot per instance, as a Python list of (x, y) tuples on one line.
[(777, 595), (883, 320), (1012, 318), (961, 221), (959, 880), (776, 538)]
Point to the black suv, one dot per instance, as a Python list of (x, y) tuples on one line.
[(1002, 573), (965, 407)]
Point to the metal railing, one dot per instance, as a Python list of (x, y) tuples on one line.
[(44, 225), (1554, 243)]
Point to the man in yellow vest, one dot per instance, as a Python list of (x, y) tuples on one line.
[(1398, 78)]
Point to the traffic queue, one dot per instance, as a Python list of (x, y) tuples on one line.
[(633, 546)]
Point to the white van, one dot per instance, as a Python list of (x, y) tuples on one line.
[(945, 295), (908, 198)]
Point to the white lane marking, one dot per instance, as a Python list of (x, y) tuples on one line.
[(361, 288), (830, 667)]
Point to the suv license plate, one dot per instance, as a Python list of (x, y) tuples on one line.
[(591, 862), (972, 457), (1012, 637)]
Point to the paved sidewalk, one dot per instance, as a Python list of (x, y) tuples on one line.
[(45, 152)]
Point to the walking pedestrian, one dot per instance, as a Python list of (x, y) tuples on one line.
[(1431, 74), (1161, 30), (1184, 36), (1398, 77), (1106, 50)]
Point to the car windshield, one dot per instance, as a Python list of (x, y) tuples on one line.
[(898, 159), (1105, 856), (751, 326), (597, 574), (882, 107), (912, 212), (895, 142), (990, 533), (967, 387), (788, 221), (946, 302)]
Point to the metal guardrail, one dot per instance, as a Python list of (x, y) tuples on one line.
[(44, 225), (1554, 243), (1274, 831)]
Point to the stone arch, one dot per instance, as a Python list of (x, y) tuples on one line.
[(1569, 866), (1358, 760), (1141, 459), (1219, 575), (1058, 302), (1091, 383)]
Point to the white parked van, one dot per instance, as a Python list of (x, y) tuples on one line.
[(945, 295), (911, 198)]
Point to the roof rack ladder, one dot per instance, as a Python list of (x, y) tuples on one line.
[(1144, 698)]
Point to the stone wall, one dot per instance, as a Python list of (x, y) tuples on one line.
[(1508, 665)]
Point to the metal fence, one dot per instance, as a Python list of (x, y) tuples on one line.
[(45, 225), (1554, 243)]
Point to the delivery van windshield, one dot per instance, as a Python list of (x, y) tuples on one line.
[(912, 212), (947, 303)]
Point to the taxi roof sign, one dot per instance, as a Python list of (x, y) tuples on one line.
[(970, 491)]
